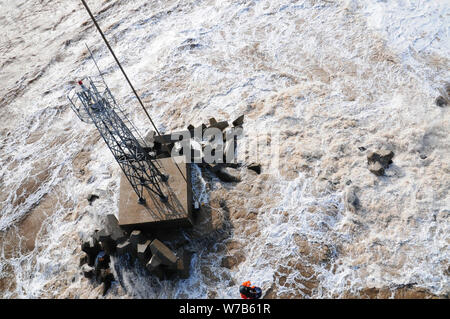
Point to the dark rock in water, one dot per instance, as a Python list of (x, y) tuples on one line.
[(384, 157), (378, 161), (362, 148), (227, 174), (255, 167), (91, 198), (441, 101), (239, 121)]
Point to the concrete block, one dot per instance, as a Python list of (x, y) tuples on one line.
[(163, 253), (144, 252)]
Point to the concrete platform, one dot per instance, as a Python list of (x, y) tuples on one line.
[(176, 212)]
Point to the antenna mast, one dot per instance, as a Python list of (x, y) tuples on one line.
[(118, 63)]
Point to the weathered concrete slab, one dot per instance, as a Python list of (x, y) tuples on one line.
[(163, 253), (176, 212)]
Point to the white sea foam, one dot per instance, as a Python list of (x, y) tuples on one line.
[(335, 74)]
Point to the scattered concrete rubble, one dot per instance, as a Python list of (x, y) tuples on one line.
[(226, 171), (151, 253), (379, 160)]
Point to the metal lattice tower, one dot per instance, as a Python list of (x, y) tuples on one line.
[(95, 104)]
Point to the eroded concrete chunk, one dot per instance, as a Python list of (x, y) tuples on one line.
[(163, 253)]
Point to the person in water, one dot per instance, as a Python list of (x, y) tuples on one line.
[(250, 292)]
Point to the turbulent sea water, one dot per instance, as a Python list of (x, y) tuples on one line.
[(335, 79)]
